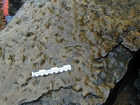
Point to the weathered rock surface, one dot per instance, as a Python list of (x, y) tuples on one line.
[(132, 40), (67, 96), (50, 33), (2, 19)]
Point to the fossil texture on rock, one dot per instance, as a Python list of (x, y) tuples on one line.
[(51, 33)]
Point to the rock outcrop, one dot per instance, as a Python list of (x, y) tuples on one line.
[(87, 34)]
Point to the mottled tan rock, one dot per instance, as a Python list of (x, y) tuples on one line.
[(50, 33), (132, 41)]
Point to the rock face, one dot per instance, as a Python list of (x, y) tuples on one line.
[(132, 40), (83, 33), (2, 18)]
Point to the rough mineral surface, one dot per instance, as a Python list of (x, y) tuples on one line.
[(132, 40), (67, 96), (82, 33), (2, 19)]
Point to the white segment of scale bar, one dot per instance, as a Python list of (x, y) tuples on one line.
[(53, 70)]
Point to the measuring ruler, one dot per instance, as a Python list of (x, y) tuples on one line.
[(53, 70)]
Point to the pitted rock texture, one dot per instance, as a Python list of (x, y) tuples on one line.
[(70, 97), (67, 96), (2, 18), (50, 33), (132, 40)]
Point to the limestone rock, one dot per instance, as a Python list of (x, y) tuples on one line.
[(132, 40), (50, 33)]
